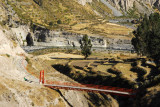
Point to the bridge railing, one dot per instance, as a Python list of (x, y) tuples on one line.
[(86, 87)]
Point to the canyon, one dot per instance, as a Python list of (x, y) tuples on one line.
[(59, 23)]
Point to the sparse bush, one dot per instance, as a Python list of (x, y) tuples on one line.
[(105, 58), (59, 21), (8, 55), (4, 22), (112, 60), (92, 70), (143, 62), (153, 82), (114, 71), (32, 104), (118, 57), (66, 69), (139, 70), (134, 64), (69, 51), (27, 59), (50, 23), (78, 72), (78, 67)]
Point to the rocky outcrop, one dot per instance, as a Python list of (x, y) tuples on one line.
[(45, 37), (83, 2), (143, 6), (67, 39), (129, 4)]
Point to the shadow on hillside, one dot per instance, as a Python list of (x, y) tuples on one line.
[(76, 58), (93, 78)]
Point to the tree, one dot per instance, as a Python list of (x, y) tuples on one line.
[(59, 21), (85, 46), (51, 24), (147, 37), (29, 40)]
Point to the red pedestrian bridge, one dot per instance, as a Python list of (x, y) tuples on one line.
[(86, 87)]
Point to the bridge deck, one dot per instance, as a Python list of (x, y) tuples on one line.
[(90, 89)]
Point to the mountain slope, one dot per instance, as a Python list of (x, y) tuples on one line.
[(55, 12)]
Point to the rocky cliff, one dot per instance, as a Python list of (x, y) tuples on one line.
[(68, 39), (46, 37), (142, 6)]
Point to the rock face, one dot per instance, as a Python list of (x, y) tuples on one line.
[(127, 4), (45, 37), (83, 2), (143, 6), (61, 38)]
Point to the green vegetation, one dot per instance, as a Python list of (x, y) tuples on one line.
[(8, 55), (85, 46), (27, 59), (91, 74), (29, 40), (55, 49), (147, 37), (67, 15), (133, 13), (62, 12), (59, 22)]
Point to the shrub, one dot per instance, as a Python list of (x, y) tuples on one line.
[(92, 70), (50, 23), (134, 64), (69, 51), (27, 59), (139, 70), (59, 21), (8, 55), (78, 67), (143, 62), (114, 71), (153, 82)]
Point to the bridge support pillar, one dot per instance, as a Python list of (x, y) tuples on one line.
[(41, 78)]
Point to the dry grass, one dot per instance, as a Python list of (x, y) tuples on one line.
[(74, 17), (37, 94), (125, 69), (81, 63), (112, 29), (104, 29), (104, 68)]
